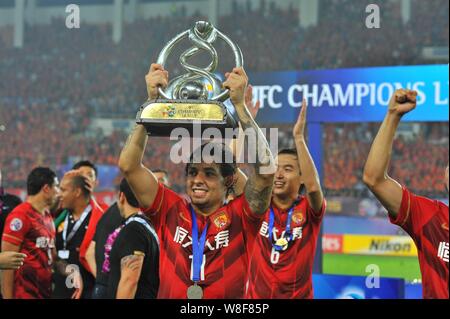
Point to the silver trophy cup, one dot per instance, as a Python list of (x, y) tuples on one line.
[(195, 97)]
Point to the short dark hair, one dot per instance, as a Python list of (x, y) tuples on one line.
[(128, 192), (226, 169), (81, 182), (38, 178), (290, 151), (87, 163)]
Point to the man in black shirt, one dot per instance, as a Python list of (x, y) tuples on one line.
[(106, 225), (132, 263)]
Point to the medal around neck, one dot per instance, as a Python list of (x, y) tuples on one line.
[(281, 244), (195, 97), (195, 292)]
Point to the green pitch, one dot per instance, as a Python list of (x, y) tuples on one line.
[(397, 267)]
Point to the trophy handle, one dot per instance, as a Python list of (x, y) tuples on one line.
[(163, 55), (238, 61)]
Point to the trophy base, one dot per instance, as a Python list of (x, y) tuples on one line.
[(164, 117)]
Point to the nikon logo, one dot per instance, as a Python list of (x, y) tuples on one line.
[(386, 245)]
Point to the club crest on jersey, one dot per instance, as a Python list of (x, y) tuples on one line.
[(221, 220), (16, 224), (298, 217)]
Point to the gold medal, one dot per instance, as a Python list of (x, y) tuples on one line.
[(282, 243)]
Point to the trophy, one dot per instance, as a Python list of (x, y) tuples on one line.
[(195, 97)]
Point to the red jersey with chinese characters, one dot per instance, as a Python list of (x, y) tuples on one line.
[(286, 274), (230, 236), (35, 234), (426, 221)]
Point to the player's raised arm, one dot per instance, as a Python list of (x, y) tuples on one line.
[(376, 177), (142, 181), (237, 145), (308, 170), (258, 189)]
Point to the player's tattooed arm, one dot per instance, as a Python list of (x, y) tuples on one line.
[(387, 190), (259, 185), (310, 177), (130, 271), (237, 145)]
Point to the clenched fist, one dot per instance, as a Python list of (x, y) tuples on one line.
[(155, 78), (402, 102)]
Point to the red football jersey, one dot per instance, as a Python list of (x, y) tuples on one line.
[(230, 236), (286, 274), (35, 234), (426, 221)]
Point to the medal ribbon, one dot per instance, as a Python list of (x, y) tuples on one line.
[(272, 221), (75, 228), (198, 247)]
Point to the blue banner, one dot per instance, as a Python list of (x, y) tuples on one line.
[(340, 225), (350, 95), (356, 287)]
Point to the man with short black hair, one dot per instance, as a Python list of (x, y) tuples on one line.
[(29, 229), (132, 252), (88, 169), (281, 263)]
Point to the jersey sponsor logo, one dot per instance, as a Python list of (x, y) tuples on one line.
[(16, 224), (297, 232), (221, 220), (221, 239), (443, 251), (44, 242)]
